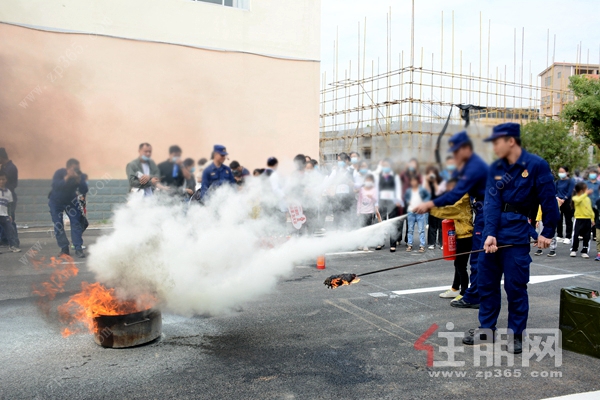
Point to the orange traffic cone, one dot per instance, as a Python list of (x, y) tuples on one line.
[(321, 262)]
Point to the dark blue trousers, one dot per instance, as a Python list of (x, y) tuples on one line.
[(11, 213), (8, 230), (513, 262), (472, 294), (74, 214)]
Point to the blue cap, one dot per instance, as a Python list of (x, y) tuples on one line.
[(505, 130), (220, 149), (457, 140)]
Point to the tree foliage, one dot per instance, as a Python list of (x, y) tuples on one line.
[(552, 141), (585, 110)]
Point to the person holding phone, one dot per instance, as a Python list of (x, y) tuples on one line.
[(63, 198)]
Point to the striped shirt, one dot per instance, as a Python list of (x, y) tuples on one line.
[(5, 198)]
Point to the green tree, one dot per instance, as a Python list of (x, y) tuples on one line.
[(553, 141), (585, 110)]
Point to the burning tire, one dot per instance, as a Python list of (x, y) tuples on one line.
[(128, 330)]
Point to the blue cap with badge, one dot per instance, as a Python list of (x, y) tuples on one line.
[(458, 140), (220, 149), (509, 129)]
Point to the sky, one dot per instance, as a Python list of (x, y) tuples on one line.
[(572, 22)]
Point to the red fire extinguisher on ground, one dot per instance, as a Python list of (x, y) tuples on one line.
[(449, 239)]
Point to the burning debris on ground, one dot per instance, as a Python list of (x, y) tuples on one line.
[(335, 281)]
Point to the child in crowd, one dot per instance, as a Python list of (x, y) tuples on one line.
[(462, 214), (368, 203), (539, 226), (413, 197), (584, 219), (5, 220)]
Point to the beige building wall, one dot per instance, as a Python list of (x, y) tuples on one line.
[(96, 97), (555, 92), (281, 28)]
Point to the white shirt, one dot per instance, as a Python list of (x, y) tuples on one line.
[(146, 169), (276, 187), (415, 199), (5, 198)]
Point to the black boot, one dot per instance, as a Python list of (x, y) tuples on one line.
[(516, 347), (478, 336)]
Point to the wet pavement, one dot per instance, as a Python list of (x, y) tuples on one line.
[(302, 341)]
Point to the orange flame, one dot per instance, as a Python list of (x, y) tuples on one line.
[(63, 269), (95, 300)]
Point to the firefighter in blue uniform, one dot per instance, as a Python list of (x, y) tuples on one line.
[(472, 177), (517, 183), (217, 173)]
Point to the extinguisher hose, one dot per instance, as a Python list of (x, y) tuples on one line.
[(432, 259)]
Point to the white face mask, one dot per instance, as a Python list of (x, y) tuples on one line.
[(369, 184)]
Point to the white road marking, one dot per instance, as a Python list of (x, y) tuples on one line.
[(349, 252), (532, 280), (577, 396), (548, 278), (421, 290)]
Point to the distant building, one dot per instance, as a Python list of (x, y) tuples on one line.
[(554, 85), (495, 116)]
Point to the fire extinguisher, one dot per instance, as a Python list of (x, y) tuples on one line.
[(449, 239)]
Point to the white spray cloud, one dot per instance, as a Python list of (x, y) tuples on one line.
[(207, 259)]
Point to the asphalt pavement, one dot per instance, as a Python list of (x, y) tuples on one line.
[(302, 341)]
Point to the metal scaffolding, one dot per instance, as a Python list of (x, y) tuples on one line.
[(382, 112)]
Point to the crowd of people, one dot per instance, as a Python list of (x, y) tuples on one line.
[(497, 209), (491, 206), (349, 193)]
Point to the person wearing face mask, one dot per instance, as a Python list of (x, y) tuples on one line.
[(593, 184), (448, 172), (564, 194), (143, 173), (390, 191), (367, 207), (360, 174), (172, 172), (354, 163)]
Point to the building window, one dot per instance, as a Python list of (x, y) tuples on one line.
[(559, 75), (229, 3), (583, 71), (548, 81)]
